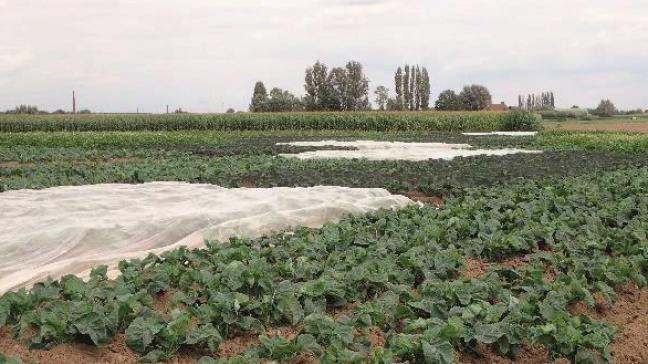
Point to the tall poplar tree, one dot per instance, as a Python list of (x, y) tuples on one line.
[(417, 89), (398, 85), (412, 88), (406, 88), (425, 89)]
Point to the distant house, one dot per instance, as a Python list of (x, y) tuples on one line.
[(497, 107)]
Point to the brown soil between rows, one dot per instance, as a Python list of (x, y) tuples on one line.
[(630, 315), (636, 127), (630, 346), (475, 267), (115, 352), (15, 164), (535, 354), (418, 196)]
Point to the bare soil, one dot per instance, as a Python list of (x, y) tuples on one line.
[(115, 352), (474, 268), (520, 261), (423, 198), (535, 354), (376, 337), (14, 164), (237, 345), (630, 315)]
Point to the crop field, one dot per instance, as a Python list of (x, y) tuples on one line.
[(518, 258), (619, 123), (370, 121)]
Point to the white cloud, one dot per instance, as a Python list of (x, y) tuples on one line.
[(205, 55)]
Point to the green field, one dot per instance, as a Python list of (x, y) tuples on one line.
[(368, 121), (493, 273)]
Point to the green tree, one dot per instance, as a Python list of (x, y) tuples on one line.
[(339, 83), (382, 97), (448, 100), (406, 89), (345, 89), (552, 100), (475, 97), (425, 89), (418, 84), (357, 89), (280, 101), (412, 89), (310, 98), (393, 105), (605, 108), (259, 98), (319, 91), (24, 109), (398, 84)]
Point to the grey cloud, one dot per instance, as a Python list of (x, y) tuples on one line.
[(205, 56)]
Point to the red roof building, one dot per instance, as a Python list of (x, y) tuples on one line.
[(497, 107)]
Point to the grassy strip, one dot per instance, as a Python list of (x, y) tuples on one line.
[(613, 141)]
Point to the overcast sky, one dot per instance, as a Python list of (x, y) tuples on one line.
[(206, 55)]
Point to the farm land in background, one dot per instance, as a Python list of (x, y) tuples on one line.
[(328, 182), (636, 124), (514, 259)]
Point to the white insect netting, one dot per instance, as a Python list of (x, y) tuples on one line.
[(376, 150), (69, 230)]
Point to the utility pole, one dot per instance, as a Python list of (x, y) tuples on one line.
[(167, 109), (73, 102)]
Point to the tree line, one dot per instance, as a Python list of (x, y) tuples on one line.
[(472, 97), (347, 89), (537, 102), (338, 89), (34, 110), (412, 84)]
